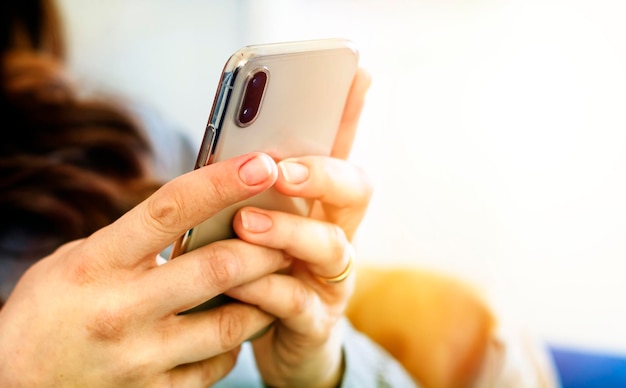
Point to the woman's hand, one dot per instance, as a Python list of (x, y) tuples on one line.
[(100, 312), (303, 348)]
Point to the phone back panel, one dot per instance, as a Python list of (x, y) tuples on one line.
[(305, 93)]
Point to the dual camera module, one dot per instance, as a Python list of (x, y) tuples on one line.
[(252, 97)]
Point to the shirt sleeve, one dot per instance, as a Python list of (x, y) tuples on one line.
[(368, 365)]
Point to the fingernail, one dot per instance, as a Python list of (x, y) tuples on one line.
[(294, 172), (256, 170), (255, 222)]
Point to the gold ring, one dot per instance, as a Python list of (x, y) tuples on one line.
[(346, 272)]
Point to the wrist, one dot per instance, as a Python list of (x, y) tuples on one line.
[(328, 365), (335, 377), (322, 366)]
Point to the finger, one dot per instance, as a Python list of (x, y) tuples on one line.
[(203, 273), (298, 307), (351, 114), (283, 296), (343, 190), (204, 373), (322, 245), (202, 335), (332, 181), (183, 203)]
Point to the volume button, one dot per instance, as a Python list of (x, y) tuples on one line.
[(206, 149)]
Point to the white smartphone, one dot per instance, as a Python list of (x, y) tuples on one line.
[(284, 99)]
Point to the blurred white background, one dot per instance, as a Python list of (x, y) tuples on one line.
[(494, 131)]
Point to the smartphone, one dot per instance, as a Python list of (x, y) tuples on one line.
[(284, 99)]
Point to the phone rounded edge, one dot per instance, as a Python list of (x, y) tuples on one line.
[(242, 56)]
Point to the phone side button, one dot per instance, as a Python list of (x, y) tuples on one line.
[(206, 150)]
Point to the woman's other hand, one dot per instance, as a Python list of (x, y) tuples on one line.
[(303, 347)]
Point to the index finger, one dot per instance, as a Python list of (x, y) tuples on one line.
[(181, 204)]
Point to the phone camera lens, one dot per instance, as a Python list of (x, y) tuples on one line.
[(256, 81), (255, 88)]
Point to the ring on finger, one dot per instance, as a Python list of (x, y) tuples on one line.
[(349, 252)]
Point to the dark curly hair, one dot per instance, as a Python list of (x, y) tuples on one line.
[(68, 165)]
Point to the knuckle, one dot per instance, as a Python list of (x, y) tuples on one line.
[(88, 268), (83, 272), (132, 370), (165, 213), (108, 325), (114, 327), (204, 373), (338, 236), (231, 328), (209, 371), (218, 268), (299, 301)]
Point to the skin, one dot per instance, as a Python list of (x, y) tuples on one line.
[(100, 312), (303, 347)]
